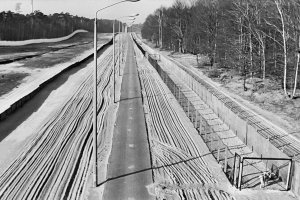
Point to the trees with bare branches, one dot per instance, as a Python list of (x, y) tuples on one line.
[(258, 38)]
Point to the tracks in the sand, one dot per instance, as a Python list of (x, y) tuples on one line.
[(181, 167), (56, 162)]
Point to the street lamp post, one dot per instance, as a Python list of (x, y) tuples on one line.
[(132, 17), (129, 26), (114, 59), (95, 91), (31, 6), (119, 52)]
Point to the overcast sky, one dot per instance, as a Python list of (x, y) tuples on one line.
[(86, 8)]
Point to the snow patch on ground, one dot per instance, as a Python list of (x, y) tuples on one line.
[(36, 78), (36, 41)]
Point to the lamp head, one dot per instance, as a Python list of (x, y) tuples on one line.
[(133, 0)]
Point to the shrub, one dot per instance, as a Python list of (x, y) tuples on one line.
[(214, 73)]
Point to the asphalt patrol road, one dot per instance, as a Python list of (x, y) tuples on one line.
[(129, 168)]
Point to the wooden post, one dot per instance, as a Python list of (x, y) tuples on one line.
[(218, 156), (226, 160), (235, 171), (193, 114), (188, 108), (246, 139), (200, 125), (196, 119), (179, 95), (240, 174), (209, 141), (174, 89), (289, 175), (192, 85), (205, 132)]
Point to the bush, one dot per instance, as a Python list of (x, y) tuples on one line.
[(214, 73)]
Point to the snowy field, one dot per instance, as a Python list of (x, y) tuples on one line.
[(34, 71), (52, 147), (36, 41)]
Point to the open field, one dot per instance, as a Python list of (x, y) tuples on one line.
[(58, 154), (10, 81), (37, 70), (13, 53), (30, 60)]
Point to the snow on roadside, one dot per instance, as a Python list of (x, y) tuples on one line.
[(36, 41)]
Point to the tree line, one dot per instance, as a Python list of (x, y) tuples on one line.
[(258, 38), (15, 26)]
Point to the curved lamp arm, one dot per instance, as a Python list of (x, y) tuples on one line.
[(95, 92), (115, 4)]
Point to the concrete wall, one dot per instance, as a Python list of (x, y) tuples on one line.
[(296, 179), (245, 131)]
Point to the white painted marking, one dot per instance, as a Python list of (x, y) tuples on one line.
[(129, 130), (131, 118), (131, 145), (131, 167)]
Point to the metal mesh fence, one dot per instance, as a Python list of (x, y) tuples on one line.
[(216, 146), (203, 124)]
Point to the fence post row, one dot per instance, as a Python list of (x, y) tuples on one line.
[(236, 175)]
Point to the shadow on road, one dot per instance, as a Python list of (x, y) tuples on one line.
[(151, 168)]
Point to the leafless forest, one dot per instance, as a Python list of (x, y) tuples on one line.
[(257, 38)]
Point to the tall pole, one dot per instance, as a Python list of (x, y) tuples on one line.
[(119, 48), (161, 28), (95, 89), (95, 105), (31, 6), (122, 45), (114, 59), (159, 25)]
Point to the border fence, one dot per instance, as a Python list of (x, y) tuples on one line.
[(220, 151)]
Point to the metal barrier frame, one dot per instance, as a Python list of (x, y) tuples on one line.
[(288, 182)]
